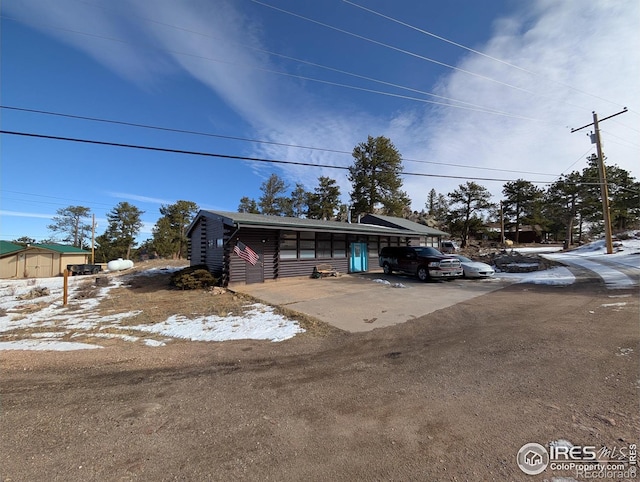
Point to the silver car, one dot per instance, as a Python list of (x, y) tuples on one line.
[(474, 269)]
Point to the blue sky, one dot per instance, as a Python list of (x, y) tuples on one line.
[(462, 88)]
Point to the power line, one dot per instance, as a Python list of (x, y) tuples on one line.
[(241, 158), (408, 52), (244, 139), (469, 105), (625, 141), (288, 57), (477, 52), (49, 197)]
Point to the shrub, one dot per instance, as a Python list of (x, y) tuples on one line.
[(193, 278)]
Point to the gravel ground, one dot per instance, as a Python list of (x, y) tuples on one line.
[(449, 396)]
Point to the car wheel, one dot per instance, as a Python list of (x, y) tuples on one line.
[(423, 274), (386, 268)]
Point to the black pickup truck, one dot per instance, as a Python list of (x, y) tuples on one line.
[(75, 269), (424, 262)]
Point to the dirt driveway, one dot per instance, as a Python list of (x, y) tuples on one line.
[(451, 395), (361, 302)]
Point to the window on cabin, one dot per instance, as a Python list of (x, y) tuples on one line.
[(288, 245)]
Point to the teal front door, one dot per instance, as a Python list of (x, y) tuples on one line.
[(359, 258)]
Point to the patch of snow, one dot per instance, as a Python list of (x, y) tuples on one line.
[(622, 303), (612, 268), (78, 320), (537, 249), (260, 323), (154, 343), (382, 281), (558, 276), (43, 345)]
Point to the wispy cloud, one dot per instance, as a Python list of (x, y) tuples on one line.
[(21, 214), (567, 49), (138, 197)]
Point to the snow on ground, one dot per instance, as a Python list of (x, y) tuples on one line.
[(558, 276), (619, 270), (48, 321), (44, 321)]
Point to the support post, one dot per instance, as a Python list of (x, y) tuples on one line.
[(65, 288)]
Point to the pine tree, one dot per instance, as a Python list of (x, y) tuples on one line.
[(324, 202), (273, 201), (119, 238), (70, 223), (169, 233), (469, 201), (520, 202), (375, 177)]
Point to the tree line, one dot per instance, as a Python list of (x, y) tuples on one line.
[(73, 225), (567, 209)]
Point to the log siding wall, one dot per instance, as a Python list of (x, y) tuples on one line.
[(212, 244)]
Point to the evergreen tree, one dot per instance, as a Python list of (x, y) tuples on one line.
[(248, 205), (375, 178), (562, 201), (624, 200), (273, 200), (299, 200), (520, 203), (124, 223), (437, 207), (169, 233), (324, 202), (468, 202), (70, 223), (24, 241)]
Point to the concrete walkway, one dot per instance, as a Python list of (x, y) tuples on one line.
[(357, 302)]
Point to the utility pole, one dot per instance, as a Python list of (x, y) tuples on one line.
[(93, 238), (604, 189), (501, 224)]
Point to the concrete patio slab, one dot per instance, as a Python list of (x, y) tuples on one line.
[(363, 302)]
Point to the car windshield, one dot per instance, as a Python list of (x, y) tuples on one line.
[(465, 259), (428, 252)]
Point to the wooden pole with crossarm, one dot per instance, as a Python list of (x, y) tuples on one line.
[(604, 189)]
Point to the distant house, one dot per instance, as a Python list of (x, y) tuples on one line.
[(526, 234), (38, 260), (253, 248)]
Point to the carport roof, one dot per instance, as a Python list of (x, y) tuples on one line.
[(300, 224)]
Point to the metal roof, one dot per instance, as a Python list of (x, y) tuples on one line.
[(301, 224), (7, 248), (410, 225), (60, 248)]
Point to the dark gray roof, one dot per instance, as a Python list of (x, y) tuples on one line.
[(410, 225), (300, 224)]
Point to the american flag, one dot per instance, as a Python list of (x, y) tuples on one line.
[(246, 253)]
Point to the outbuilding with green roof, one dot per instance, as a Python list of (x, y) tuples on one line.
[(38, 260)]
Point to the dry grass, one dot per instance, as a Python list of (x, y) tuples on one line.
[(21, 311), (157, 301)]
